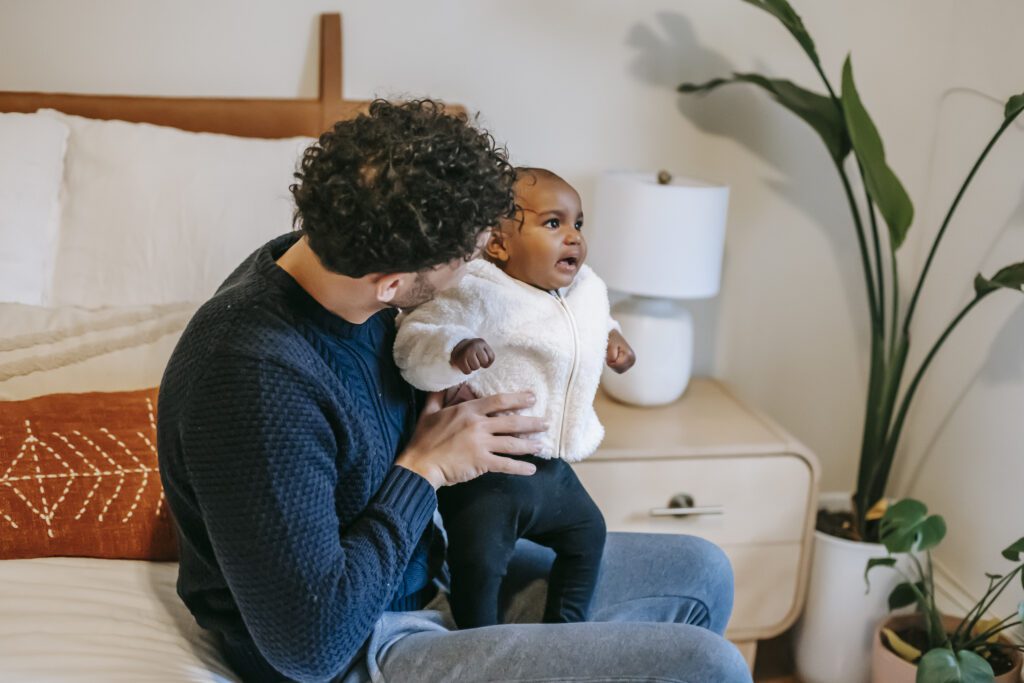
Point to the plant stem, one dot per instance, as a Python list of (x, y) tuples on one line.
[(878, 252), (895, 304), (894, 437), (949, 216), (970, 612), (982, 637), (936, 633), (990, 597)]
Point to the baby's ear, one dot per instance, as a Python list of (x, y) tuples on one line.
[(496, 248)]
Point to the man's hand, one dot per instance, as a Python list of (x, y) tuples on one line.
[(620, 356), (459, 443), (472, 354)]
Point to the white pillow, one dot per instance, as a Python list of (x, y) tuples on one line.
[(31, 166), (156, 215)]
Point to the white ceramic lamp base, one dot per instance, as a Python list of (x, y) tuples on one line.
[(661, 333)]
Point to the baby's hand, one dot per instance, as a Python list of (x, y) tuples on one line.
[(620, 356), (472, 354)]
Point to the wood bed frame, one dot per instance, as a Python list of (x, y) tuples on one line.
[(255, 118)]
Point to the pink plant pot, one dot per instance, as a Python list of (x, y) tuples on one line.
[(888, 667)]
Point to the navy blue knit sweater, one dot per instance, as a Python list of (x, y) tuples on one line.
[(278, 427)]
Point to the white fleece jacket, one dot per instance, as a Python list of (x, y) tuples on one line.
[(550, 343)]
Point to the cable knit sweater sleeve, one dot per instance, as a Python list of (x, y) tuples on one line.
[(262, 463)]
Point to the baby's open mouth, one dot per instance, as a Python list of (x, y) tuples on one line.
[(569, 262)]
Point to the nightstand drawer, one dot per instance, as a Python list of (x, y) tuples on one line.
[(736, 500)]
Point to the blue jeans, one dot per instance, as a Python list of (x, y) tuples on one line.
[(661, 605)]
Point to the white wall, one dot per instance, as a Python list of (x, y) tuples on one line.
[(585, 85)]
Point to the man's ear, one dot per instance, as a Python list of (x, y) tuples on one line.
[(386, 286), (497, 246)]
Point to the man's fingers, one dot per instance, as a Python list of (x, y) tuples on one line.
[(497, 463), (512, 445), (516, 424), (499, 403)]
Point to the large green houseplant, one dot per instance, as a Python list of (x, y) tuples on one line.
[(844, 125), (942, 649)]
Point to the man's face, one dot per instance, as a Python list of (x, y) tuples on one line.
[(428, 283)]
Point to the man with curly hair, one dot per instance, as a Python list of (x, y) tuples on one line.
[(301, 469)]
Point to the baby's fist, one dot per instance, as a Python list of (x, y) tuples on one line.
[(472, 354), (620, 356)]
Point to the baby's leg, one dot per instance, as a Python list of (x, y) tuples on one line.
[(480, 518), (570, 523)]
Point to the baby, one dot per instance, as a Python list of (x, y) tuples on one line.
[(530, 316)]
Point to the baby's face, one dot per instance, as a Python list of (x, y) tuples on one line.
[(548, 249)]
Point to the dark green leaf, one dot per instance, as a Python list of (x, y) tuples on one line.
[(1013, 551), (907, 526), (817, 110), (942, 666), (877, 562), (781, 10), (882, 184), (1010, 277), (903, 594), (1014, 106)]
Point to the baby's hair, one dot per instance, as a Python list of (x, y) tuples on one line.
[(536, 174)]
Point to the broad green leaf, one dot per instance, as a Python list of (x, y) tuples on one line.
[(942, 666), (877, 562), (781, 10), (1010, 277), (907, 526), (817, 110), (903, 594), (1014, 106), (1013, 551), (882, 184), (900, 646)]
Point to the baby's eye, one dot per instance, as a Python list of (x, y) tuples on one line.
[(579, 225), (552, 223)]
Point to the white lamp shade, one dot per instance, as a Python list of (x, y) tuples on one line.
[(658, 240)]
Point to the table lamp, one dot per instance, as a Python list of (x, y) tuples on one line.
[(659, 239)]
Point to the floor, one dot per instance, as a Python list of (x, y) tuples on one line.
[(774, 663)]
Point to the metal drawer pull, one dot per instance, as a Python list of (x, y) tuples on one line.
[(681, 505)]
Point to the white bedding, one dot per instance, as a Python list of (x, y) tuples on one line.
[(182, 223), (71, 620), (105, 621)]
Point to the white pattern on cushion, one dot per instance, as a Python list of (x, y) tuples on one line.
[(156, 215), (31, 166)]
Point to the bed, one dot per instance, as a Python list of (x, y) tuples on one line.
[(109, 187)]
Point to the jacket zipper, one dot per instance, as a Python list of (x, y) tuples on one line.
[(572, 371)]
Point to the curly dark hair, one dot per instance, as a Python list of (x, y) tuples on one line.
[(401, 188)]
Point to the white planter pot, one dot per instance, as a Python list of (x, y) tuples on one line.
[(833, 637)]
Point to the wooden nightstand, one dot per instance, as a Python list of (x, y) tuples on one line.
[(750, 487)]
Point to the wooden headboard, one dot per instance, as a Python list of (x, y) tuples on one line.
[(245, 117)]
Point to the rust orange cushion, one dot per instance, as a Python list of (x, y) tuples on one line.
[(79, 477)]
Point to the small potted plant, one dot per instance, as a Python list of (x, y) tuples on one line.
[(926, 646)]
